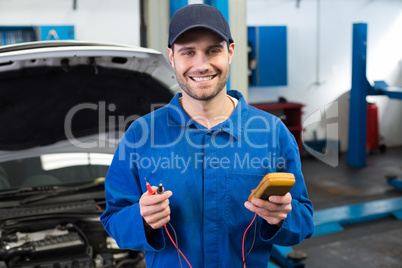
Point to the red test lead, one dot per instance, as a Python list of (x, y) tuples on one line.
[(150, 191), (160, 191)]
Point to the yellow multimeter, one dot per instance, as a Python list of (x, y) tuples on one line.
[(278, 183)]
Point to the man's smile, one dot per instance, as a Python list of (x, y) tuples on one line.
[(202, 78)]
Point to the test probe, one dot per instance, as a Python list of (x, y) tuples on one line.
[(278, 183), (161, 191)]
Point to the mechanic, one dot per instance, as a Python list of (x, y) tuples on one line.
[(209, 148)]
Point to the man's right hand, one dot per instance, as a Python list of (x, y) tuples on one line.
[(155, 209)]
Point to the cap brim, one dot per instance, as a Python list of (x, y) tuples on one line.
[(223, 36)]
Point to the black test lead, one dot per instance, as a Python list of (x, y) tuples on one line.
[(160, 188), (160, 191)]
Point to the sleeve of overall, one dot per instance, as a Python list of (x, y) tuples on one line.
[(298, 224), (122, 219)]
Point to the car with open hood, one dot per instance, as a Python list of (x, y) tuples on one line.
[(64, 105)]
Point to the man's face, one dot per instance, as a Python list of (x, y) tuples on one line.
[(201, 60)]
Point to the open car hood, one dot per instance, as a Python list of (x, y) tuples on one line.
[(52, 90), (63, 108)]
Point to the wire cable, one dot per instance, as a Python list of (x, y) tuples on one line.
[(177, 242), (244, 236), (176, 245), (160, 190), (252, 245)]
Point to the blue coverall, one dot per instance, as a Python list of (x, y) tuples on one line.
[(211, 173)]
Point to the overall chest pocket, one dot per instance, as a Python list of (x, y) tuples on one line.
[(237, 189)]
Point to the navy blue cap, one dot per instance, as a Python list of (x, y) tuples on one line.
[(198, 16)]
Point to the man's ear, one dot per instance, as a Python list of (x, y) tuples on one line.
[(170, 51), (231, 51)]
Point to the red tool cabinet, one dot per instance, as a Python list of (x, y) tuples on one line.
[(372, 133), (290, 114)]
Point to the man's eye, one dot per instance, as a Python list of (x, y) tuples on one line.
[(188, 53), (213, 51)]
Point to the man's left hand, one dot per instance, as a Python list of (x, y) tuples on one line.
[(274, 211)]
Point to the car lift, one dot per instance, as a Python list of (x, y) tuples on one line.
[(356, 154), (333, 219), (396, 183)]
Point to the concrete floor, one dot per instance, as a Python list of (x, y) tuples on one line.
[(371, 244)]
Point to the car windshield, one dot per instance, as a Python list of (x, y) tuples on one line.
[(54, 169)]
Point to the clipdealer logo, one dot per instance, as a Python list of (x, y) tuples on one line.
[(112, 128), (110, 125), (328, 118)]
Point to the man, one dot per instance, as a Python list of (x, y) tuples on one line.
[(209, 149)]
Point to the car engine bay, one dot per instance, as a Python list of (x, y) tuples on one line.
[(49, 217), (59, 235)]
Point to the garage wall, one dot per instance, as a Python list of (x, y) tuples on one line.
[(320, 57), (115, 21)]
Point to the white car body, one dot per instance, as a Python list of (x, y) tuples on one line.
[(63, 108)]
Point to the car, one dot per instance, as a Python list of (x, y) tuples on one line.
[(64, 105)]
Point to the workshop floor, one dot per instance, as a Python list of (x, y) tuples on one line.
[(371, 244)]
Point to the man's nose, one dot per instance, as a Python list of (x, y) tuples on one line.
[(201, 62)]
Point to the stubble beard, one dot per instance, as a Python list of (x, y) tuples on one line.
[(202, 97)]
